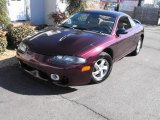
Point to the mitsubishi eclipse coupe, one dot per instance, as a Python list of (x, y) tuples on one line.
[(82, 49)]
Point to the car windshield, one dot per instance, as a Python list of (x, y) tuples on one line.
[(91, 22)]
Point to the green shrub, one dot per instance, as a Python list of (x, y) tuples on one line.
[(75, 6), (3, 12), (3, 42), (17, 34)]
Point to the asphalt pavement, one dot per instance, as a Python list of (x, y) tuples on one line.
[(132, 92)]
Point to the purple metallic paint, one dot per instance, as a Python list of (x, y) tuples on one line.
[(65, 41)]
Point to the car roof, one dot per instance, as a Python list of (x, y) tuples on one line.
[(107, 12)]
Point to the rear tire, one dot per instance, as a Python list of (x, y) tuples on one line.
[(102, 68), (138, 48)]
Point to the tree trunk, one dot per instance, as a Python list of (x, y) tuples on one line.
[(139, 2), (117, 7)]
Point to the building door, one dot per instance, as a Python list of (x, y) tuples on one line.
[(17, 10)]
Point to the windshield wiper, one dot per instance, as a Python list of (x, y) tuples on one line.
[(65, 26), (80, 28)]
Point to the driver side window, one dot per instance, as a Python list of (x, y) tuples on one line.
[(124, 23)]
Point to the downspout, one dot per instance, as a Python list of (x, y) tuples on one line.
[(27, 9)]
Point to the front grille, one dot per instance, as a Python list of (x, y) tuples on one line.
[(29, 68), (43, 75)]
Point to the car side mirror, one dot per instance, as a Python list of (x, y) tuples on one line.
[(121, 31)]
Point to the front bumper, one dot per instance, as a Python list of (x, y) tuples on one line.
[(35, 65)]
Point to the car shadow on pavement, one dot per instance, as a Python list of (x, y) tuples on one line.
[(12, 79)]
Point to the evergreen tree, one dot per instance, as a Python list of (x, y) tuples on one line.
[(75, 6), (3, 12)]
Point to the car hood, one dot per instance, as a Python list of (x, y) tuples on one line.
[(63, 41)]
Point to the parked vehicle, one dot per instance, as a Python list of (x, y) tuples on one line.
[(82, 49)]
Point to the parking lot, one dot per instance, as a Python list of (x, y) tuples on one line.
[(132, 92)]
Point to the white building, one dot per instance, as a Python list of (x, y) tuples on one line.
[(37, 11)]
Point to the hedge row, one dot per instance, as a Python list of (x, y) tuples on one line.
[(3, 42), (17, 34), (14, 36)]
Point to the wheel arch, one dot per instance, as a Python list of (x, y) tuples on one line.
[(142, 36), (109, 51)]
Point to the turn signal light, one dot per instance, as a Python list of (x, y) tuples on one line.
[(85, 68)]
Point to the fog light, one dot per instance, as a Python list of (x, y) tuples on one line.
[(55, 77)]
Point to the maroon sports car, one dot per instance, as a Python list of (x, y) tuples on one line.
[(82, 49)]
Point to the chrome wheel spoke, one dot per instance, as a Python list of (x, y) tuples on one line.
[(96, 66), (105, 68), (96, 72), (101, 74), (139, 46), (102, 62)]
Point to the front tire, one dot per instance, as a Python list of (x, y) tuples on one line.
[(102, 68)]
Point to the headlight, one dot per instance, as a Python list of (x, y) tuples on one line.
[(22, 47), (67, 60)]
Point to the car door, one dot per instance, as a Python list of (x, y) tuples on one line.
[(137, 32), (124, 42)]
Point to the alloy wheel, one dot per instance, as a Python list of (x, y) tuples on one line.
[(139, 46), (101, 68)]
